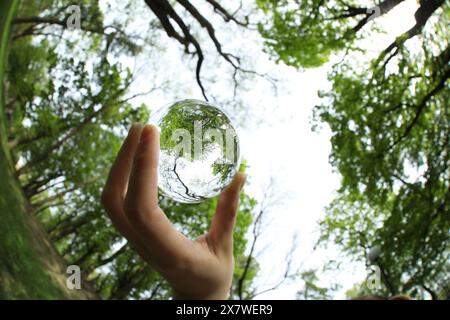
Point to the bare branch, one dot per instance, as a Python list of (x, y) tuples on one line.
[(288, 274), (165, 12), (270, 199), (226, 15), (167, 16), (423, 13)]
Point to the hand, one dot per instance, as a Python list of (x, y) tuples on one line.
[(198, 269)]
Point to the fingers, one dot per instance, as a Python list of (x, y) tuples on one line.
[(143, 183), (165, 245), (117, 182), (116, 187), (221, 232)]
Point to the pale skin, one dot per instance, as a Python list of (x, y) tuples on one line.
[(196, 269)]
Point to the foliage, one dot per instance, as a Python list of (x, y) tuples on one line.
[(390, 126), (67, 116), (312, 290), (301, 33)]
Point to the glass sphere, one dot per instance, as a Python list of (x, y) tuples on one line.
[(199, 150)]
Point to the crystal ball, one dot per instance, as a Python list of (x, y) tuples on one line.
[(200, 151)]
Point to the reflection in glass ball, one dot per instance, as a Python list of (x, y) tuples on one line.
[(199, 151)]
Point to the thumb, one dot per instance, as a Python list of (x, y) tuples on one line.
[(221, 232)]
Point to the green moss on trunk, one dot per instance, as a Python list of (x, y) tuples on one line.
[(30, 268)]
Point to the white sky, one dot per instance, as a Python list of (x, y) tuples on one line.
[(280, 144), (299, 158)]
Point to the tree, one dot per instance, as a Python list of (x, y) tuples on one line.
[(390, 122), (313, 291), (65, 120), (176, 27), (29, 267)]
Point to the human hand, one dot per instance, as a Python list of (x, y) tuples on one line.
[(196, 269)]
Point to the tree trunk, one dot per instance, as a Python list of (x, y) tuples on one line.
[(30, 267)]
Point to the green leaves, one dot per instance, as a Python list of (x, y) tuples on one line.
[(300, 33), (68, 116), (312, 290), (390, 126)]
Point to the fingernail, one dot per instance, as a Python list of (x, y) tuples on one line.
[(146, 133), (134, 127)]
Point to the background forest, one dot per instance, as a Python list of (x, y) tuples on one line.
[(70, 94)]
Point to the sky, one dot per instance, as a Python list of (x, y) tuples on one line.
[(279, 147), (287, 147)]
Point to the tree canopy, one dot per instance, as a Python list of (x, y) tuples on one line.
[(64, 131), (390, 121), (67, 103)]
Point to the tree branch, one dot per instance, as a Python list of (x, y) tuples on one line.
[(226, 15), (421, 107), (423, 13)]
